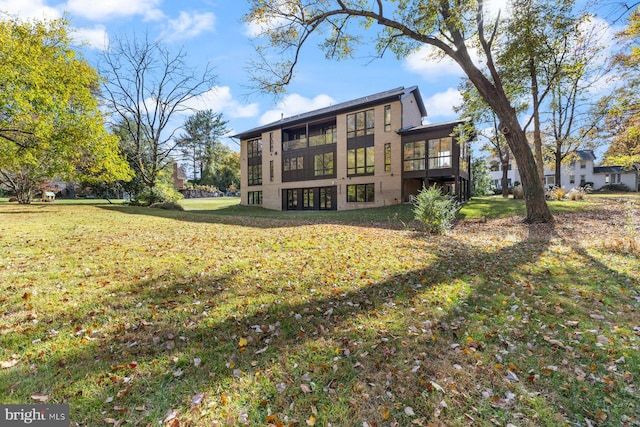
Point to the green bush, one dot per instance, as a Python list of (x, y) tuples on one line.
[(436, 211)]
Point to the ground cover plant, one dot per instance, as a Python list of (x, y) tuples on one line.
[(140, 316)]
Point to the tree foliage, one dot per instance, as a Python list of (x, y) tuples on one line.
[(147, 84), (435, 210), (50, 123), (623, 119), (200, 146), (480, 178), (453, 29)]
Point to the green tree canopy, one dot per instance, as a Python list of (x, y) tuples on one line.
[(50, 124)]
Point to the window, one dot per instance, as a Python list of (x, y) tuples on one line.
[(440, 153), (323, 164), (360, 123), (270, 142), (307, 198), (463, 164), (292, 199), (294, 163), (322, 136), (572, 179), (254, 161), (414, 156), (550, 180), (255, 198), (360, 161), (361, 193), (387, 118), (583, 164), (583, 180), (254, 148), (326, 197), (387, 157), (271, 170), (255, 174)]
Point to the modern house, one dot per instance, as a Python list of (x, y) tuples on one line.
[(577, 173), (368, 152)]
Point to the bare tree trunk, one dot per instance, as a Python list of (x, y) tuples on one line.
[(504, 160), (537, 137)]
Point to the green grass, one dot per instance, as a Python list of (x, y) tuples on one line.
[(225, 314)]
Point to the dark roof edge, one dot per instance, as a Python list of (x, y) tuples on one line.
[(432, 126), (399, 92)]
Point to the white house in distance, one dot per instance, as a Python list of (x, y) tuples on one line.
[(578, 173)]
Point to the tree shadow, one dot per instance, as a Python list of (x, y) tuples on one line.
[(420, 336)]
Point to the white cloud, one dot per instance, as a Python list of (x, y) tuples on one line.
[(431, 67), (29, 9), (295, 104), (101, 10), (441, 104), (96, 37), (189, 25), (220, 100)]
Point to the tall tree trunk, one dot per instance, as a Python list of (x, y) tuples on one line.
[(558, 160), (504, 159), (537, 136)]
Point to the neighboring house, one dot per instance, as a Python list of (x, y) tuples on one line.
[(578, 173), (179, 177), (368, 152)]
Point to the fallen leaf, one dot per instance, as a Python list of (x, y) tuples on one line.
[(197, 399), (305, 388), (40, 397), (311, 421), (385, 413), (409, 411), (9, 363)]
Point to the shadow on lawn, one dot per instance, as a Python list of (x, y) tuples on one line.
[(390, 217), (346, 354)]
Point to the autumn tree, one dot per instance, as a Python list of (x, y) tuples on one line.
[(574, 114), (452, 28), (623, 119), (50, 123), (147, 84), (200, 145)]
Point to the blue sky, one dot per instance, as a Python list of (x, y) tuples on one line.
[(211, 31)]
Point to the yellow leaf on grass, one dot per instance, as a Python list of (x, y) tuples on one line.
[(385, 413), (242, 343), (311, 421)]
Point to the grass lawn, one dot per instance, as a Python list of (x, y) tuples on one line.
[(229, 315)]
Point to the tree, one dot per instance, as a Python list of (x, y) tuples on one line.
[(623, 116), (480, 178), (200, 145), (574, 115), (50, 123), (225, 173), (452, 28), (146, 85)]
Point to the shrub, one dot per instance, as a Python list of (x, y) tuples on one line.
[(436, 211), (616, 187), (578, 193), (170, 206), (518, 192), (556, 193)]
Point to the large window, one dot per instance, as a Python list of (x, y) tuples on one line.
[(293, 163), (255, 198), (254, 148), (271, 171), (292, 199), (360, 161), (307, 198), (327, 194), (255, 174), (387, 118), (440, 153), (361, 193), (387, 157), (360, 123), (254, 162), (323, 164), (414, 156)]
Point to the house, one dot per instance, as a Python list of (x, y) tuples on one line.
[(367, 152), (577, 173)]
